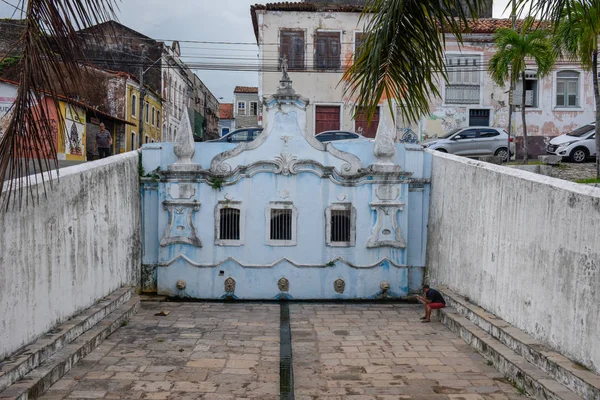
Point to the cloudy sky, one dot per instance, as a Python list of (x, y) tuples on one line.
[(202, 21)]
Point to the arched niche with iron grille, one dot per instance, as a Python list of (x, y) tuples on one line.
[(340, 225), (229, 223), (281, 220)]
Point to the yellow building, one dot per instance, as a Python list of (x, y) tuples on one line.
[(151, 115)]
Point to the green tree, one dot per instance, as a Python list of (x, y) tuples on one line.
[(514, 49), (576, 38)]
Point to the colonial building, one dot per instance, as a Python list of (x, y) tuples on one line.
[(555, 104), (159, 67), (74, 124), (226, 120), (246, 104)]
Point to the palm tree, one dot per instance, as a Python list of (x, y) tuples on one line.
[(51, 62), (403, 52), (510, 60), (577, 38)]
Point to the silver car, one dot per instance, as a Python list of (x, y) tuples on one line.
[(473, 141)]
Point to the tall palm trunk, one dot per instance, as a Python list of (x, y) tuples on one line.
[(597, 98), (523, 97)]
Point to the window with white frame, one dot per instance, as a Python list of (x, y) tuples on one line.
[(340, 228), (463, 85), (359, 38), (147, 111), (134, 105), (253, 108), (531, 90), (567, 89), (153, 116), (229, 223), (241, 108), (133, 141), (281, 223), (147, 139)]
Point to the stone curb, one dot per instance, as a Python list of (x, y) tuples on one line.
[(582, 382), (38, 381), (29, 357), (531, 379)]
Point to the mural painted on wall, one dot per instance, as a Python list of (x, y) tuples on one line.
[(74, 133)]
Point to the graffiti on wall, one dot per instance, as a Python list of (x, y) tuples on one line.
[(74, 132)]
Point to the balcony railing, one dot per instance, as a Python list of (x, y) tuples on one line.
[(462, 94)]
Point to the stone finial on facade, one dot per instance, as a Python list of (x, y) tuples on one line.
[(184, 147), (385, 148)]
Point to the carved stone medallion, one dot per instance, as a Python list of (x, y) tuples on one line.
[(230, 285), (284, 285), (181, 284), (339, 285)]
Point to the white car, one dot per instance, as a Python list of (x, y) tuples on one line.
[(578, 145)]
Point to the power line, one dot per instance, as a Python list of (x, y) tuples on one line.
[(13, 6)]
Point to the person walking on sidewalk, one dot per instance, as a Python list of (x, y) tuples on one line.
[(433, 300), (103, 143)]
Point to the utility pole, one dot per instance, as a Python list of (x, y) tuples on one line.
[(512, 91)]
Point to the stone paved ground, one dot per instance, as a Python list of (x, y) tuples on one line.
[(373, 352), (231, 351), (573, 171), (198, 351)]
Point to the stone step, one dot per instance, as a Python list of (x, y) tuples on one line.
[(32, 355), (527, 377), (39, 380), (574, 376)]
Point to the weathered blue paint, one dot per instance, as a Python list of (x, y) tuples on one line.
[(258, 177)]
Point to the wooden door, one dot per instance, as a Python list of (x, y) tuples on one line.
[(368, 130), (327, 118)]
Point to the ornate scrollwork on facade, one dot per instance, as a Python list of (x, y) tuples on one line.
[(408, 136), (283, 284), (230, 285), (180, 228), (339, 286), (286, 164)]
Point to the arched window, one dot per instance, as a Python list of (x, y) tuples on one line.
[(567, 89), (153, 116), (281, 223), (134, 105), (340, 229)]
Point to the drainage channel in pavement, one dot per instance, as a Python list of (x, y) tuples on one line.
[(286, 373)]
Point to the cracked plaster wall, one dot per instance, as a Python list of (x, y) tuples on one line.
[(521, 245), (77, 246)]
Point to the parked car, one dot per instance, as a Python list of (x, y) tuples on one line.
[(577, 146), (240, 135), (330, 136), (473, 141)]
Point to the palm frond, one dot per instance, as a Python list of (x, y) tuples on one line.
[(402, 55), (50, 65)]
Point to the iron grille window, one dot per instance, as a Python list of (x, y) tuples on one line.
[(229, 224), (281, 224), (340, 225)]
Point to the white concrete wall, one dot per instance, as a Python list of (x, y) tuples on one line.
[(523, 246), (78, 245)]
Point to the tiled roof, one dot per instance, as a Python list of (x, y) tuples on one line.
[(245, 89), (481, 26), (226, 111)]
